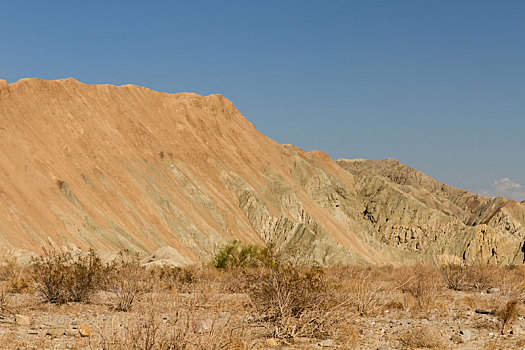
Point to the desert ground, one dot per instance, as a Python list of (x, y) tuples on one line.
[(63, 301)]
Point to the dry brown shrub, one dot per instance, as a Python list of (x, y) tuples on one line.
[(401, 301), (286, 298), (511, 282), (365, 288), (465, 276), (6, 307), (292, 300), (420, 337), (507, 314), (15, 278), (456, 275), (127, 279), (423, 283), (173, 278), (483, 276), (61, 277)]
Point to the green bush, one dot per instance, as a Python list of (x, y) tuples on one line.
[(237, 255)]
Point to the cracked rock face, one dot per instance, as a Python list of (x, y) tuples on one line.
[(414, 212), (175, 176)]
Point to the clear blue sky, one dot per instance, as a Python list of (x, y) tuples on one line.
[(439, 85)]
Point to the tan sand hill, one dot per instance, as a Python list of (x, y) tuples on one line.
[(178, 175)]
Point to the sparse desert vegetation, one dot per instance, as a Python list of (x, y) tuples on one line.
[(253, 298)]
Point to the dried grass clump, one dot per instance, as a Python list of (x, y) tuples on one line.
[(423, 337), (507, 314), (14, 278), (368, 293), (171, 278)]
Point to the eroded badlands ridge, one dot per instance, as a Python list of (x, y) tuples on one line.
[(127, 167)]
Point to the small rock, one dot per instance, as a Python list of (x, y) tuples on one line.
[(56, 332), (302, 340), (84, 330), (327, 343), (271, 343), (22, 320), (482, 312), (203, 326), (466, 334), (456, 339), (492, 290), (72, 332), (33, 332)]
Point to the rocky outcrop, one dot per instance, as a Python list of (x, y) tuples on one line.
[(414, 212)]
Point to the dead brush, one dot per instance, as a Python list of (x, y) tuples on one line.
[(61, 277), (511, 281), (286, 298), (456, 275), (368, 294), (173, 278), (292, 300), (6, 308), (169, 321), (421, 337), (16, 278), (366, 288), (484, 276), (507, 314), (127, 280), (423, 283)]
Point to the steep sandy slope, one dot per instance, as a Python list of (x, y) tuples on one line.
[(414, 212), (177, 175), (126, 167)]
